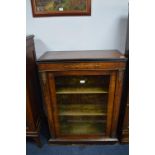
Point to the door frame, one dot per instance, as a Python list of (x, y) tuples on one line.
[(54, 108)]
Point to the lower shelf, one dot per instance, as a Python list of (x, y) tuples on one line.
[(79, 128), (82, 109)]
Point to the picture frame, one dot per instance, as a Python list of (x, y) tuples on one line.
[(45, 8)]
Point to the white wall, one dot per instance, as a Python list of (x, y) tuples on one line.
[(104, 29)]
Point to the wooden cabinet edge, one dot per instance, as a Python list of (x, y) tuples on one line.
[(111, 102), (117, 101), (47, 102), (81, 66), (100, 141), (33, 117)]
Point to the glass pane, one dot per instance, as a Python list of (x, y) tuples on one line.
[(82, 104)]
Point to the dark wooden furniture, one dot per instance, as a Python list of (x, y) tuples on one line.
[(125, 127), (32, 92), (82, 92), (124, 114)]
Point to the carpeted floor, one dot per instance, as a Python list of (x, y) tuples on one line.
[(116, 149)]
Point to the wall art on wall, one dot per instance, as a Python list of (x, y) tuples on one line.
[(45, 8)]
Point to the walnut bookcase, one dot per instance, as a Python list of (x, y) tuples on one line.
[(82, 92)]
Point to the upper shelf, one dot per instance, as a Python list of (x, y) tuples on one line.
[(90, 55), (81, 91)]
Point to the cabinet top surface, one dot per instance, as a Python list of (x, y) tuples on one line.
[(91, 55), (29, 36)]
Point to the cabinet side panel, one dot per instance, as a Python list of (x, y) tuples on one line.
[(29, 116), (118, 94), (125, 129), (110, 102), (54, 103), (33, 99), (47, 102)]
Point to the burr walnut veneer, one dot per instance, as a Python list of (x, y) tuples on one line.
[(82, 92)]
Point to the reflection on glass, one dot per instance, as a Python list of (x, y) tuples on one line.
[(82, 103)]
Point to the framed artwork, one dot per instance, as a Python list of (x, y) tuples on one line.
[(45, 8)]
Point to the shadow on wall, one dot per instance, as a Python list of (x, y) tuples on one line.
[(40, 47), (122, 33)]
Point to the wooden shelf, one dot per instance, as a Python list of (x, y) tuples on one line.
[(83, 109), (83, 128), (81, 91), (81, 114), (84, 121)]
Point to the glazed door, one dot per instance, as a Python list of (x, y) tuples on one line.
[(82, 103)]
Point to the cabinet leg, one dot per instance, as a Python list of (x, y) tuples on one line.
[(37, 141)]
